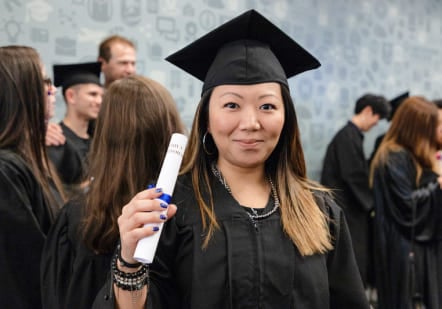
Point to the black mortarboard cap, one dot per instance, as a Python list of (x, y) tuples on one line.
[(68, 75), (248, 49), (395, 102)]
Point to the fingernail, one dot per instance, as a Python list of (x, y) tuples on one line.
[(163, 217), (158, 190), (150, 186), (155, 228), (164, 205)]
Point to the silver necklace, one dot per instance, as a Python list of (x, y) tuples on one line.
[(253, 215)]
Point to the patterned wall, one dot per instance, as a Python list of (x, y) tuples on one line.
[(381, 46)]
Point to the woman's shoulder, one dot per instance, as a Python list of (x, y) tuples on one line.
[(69, 218), (15, 173), (12, 163), (327, 204)]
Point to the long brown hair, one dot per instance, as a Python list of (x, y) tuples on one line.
[(22, 114), (302, 219), (134, 126), (412, 128)]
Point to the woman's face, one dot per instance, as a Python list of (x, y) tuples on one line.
[(439, 129), (245, 122)]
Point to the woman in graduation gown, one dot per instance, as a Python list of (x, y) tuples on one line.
[(408, 199), (29, 195), (250, 231), (136, 120)]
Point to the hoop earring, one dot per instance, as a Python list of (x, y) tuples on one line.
[(204, 144)]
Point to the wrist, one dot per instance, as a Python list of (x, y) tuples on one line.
[(129, 279), (126, 269), (133, 265)]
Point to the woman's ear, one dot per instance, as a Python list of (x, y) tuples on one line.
[(69, 95)]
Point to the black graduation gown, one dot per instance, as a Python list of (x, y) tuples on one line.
[(396, 195), (243, 266), (71, 274), (24, 223), (346, 170), (69, 158)]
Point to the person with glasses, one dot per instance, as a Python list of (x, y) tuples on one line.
[(30, 193), (51, 91)]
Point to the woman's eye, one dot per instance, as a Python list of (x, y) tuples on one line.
[(267, 106), (231, 105)]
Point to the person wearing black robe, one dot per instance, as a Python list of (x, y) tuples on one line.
[(25, 220), (408, 243), (249, 230), (345, 169), (248, 265), (29, 195), (78, 249), (66, 260), (70, 158), (82, 93)]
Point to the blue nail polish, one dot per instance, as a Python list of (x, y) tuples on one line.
[(164, 205), (155, 228), (163, 217), (150, 186), (158, 190)]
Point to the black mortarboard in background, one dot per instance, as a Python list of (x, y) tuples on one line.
[(248, 49), (395, 102), (68, 75)]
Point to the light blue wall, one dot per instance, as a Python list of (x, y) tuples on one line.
[(381, 46)]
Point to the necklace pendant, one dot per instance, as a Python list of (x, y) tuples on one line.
[(253, 214)]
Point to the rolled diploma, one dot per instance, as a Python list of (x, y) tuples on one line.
[(147, 246)]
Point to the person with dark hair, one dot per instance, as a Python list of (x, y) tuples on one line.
[(138, 117), (82, 93), (250, 230), (117, 55), (439, 131), (394, 104), (30, 193), (408, 198), (346, 170)]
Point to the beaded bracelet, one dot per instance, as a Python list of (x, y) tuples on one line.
[(123, 262), (129, 281)]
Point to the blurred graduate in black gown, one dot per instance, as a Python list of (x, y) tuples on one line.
[(83, 94), (408, 199), (30, 194), (346, 171)]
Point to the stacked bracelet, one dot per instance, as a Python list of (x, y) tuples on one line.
[(129, 281), (123, 262)]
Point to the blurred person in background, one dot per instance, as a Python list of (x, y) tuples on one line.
[(407, 191), (30, 192), (346, 171)]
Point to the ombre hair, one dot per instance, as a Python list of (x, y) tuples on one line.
[(302, 220), (134, 126), (413, 128)]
